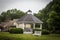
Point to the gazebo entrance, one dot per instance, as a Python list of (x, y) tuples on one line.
[(28, 28)]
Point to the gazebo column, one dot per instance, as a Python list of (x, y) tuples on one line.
[(41, 29), (23, 25), (33, 25), (40, 26)]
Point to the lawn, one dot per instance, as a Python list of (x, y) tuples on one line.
[(8, 36)]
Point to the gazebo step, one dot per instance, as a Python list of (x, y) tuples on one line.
[(27, 32), (37, 33)]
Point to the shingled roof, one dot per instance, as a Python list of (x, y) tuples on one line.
[(29, 18)]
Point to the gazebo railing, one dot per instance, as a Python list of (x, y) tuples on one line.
[(27, 30)]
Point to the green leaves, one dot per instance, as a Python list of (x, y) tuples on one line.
[(12, 14), (50, 15)]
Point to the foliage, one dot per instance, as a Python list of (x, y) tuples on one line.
[(16, 30), (11, 14), (45, 32), (50, 15)]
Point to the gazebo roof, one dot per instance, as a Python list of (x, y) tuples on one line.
[(29, 18)]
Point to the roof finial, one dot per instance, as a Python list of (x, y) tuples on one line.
[(29, 12)]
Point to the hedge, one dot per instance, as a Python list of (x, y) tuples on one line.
[(16, 30)]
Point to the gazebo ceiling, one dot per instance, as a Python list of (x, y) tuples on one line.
[(29, 18)]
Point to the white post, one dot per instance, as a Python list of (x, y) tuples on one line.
[(41, 29), (23, 25), (34, 26), (40, 26)]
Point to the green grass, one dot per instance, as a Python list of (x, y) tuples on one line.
[(8, 36)]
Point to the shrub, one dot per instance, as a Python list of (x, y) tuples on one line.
[(45, 32), (16, 30)]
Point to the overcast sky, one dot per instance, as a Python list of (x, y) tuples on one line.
[(24, 5)]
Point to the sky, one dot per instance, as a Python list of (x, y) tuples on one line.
[(23, 5)]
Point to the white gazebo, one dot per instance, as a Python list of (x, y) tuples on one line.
[(28, 22)]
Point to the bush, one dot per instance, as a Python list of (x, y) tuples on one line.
[(16, 30), (45, 32)]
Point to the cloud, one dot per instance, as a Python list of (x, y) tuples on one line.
[(24, 5)]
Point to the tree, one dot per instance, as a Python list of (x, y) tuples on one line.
[(50, 15), (12, 14)]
